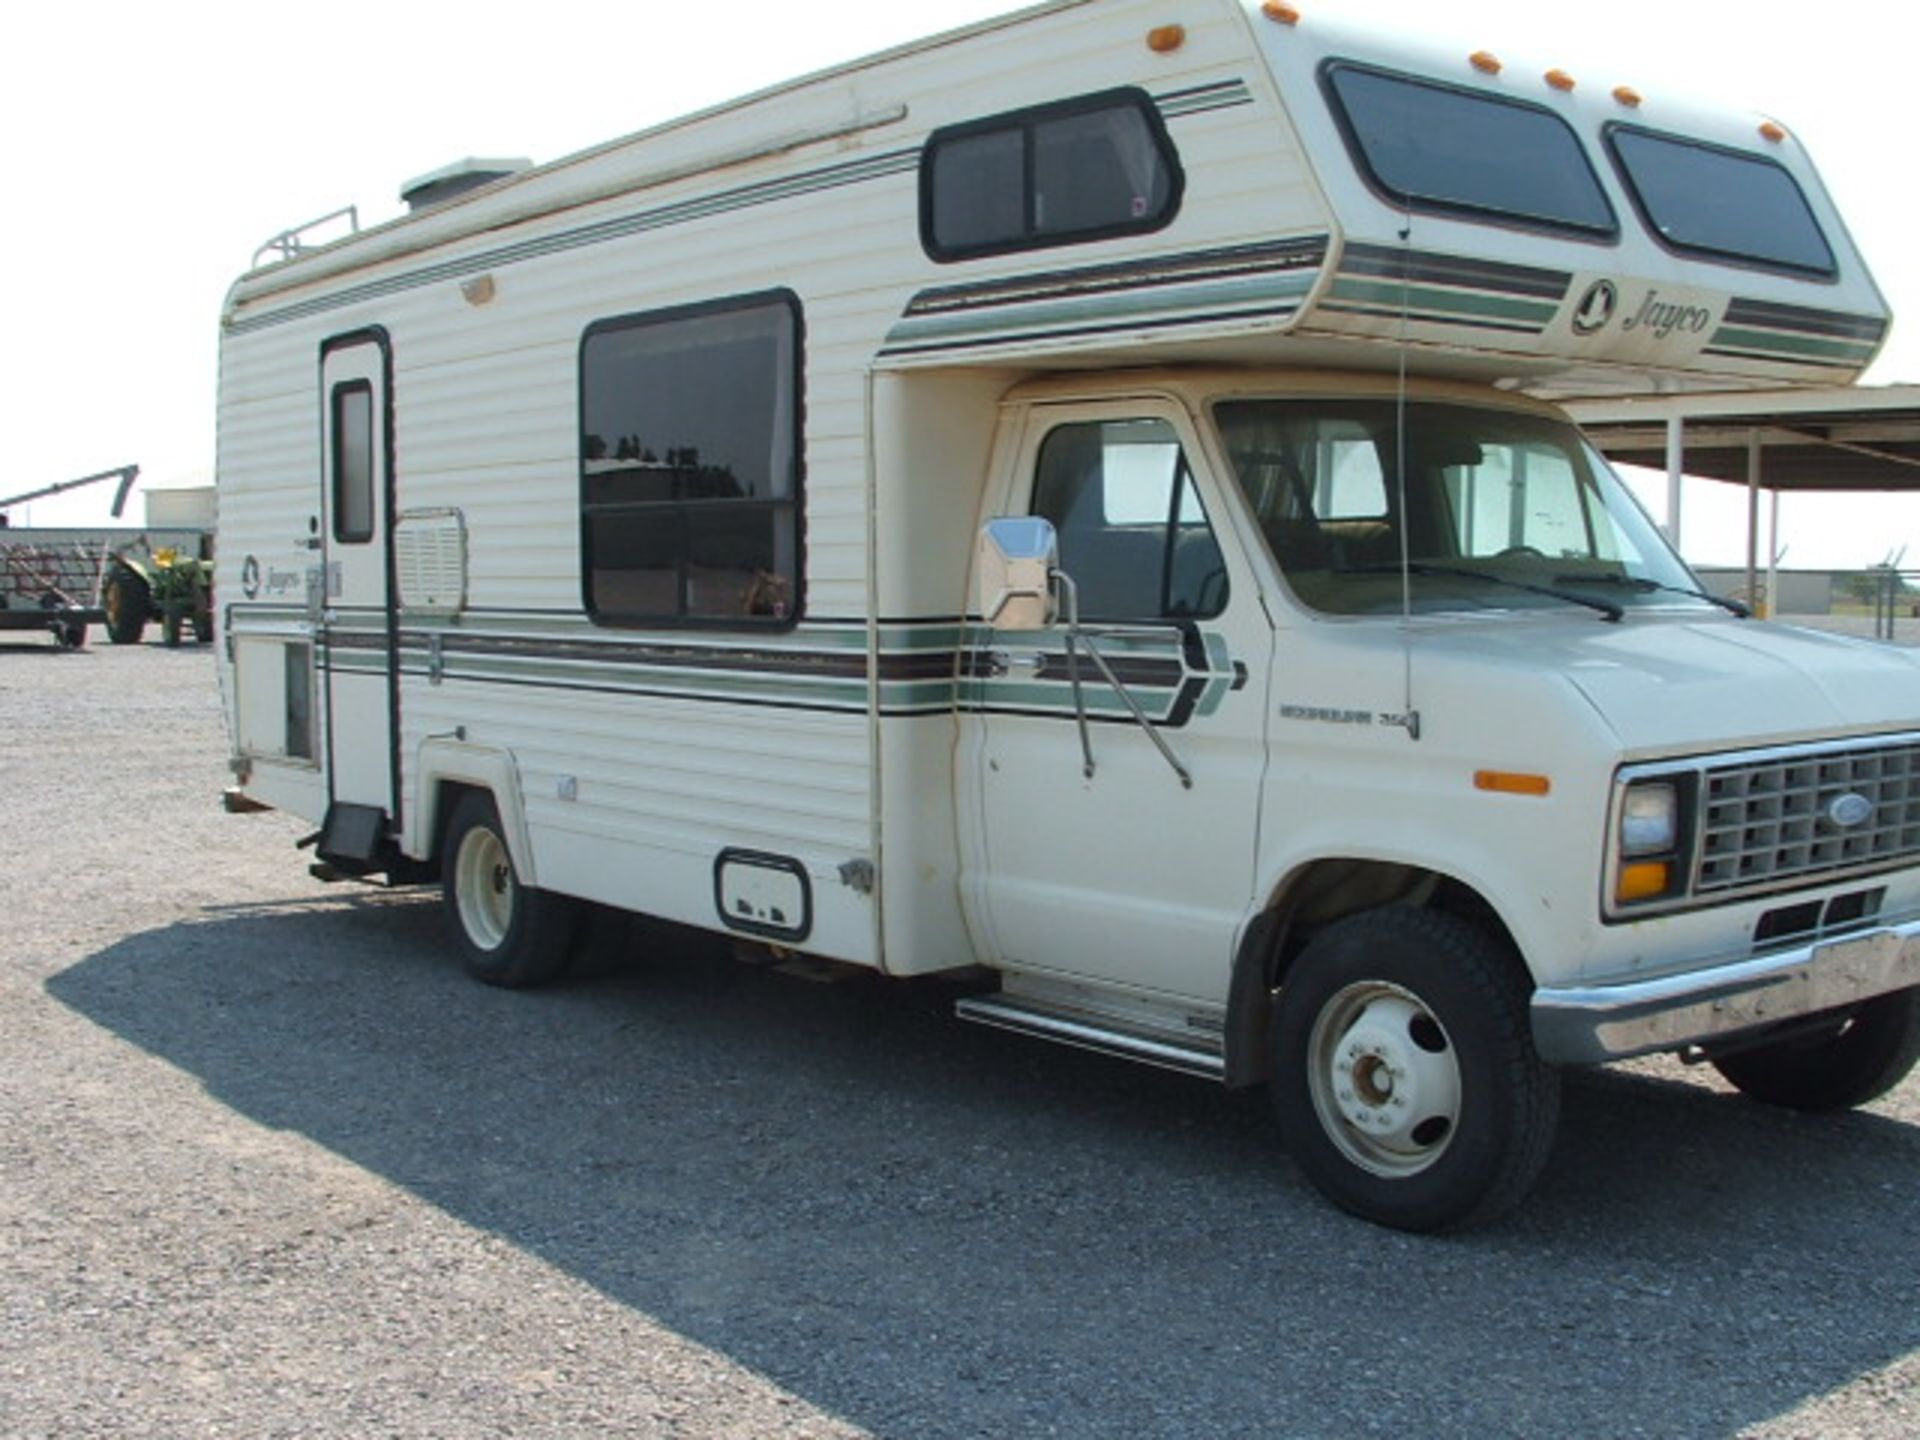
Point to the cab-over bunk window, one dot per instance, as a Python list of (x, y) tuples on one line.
[(690, 464), (1719, 204), (1090, 168), (1439, 148)]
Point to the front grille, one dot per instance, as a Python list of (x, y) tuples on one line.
[(1769, 822)]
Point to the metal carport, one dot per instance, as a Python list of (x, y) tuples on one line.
[(1854, 438)]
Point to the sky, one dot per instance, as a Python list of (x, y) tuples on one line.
[(153, 148)]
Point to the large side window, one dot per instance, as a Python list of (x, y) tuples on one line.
[(1133, 536), (690, 464), (352, 419), (1434, 147), (1084, 169)]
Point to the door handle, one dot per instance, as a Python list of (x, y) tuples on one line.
[(1001, 663)]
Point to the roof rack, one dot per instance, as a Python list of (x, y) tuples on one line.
[(290, 243)]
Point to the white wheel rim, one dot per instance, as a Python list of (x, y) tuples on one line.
[(1384, 1078), (483, 884)]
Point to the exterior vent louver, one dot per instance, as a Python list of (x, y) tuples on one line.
[(451, 181)]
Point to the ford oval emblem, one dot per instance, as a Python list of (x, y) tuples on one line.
[(1849, 811)]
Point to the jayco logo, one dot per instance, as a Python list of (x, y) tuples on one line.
[(1664, 318)]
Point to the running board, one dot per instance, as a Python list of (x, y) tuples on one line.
[(1091, 1032)]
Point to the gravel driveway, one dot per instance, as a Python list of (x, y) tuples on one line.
[(271, 1166)]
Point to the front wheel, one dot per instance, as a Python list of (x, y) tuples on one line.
[(127, 601), (1404, 1075), (1859, 1058), (508, 933)]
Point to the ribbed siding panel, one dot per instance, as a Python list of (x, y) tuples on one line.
[(663, 787), (485, 400)]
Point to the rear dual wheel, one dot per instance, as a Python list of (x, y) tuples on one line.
[(507, 932), (1404, 1075)]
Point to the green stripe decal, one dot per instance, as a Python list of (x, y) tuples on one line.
[(1773, 342), (1392, 297), (1154, 304)]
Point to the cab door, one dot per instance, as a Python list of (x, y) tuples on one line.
[(1125, 874), (357, 620)]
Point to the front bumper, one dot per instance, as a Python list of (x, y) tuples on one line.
[(1589, 1025)]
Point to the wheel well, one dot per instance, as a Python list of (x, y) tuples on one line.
[(1311, 899), (447, 795)]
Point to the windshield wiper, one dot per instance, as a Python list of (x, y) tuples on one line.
[(1648, 587), (1608, 608)]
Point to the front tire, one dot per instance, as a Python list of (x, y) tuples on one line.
[(128, 602), (1404, 1075), (1862, 1057), (508, 933)]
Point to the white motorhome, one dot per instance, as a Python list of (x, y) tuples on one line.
[(1077, 502)]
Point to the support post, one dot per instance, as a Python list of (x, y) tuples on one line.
[(1753, 519), (1773, 557), (1676, 471)]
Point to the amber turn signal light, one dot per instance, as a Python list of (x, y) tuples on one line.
[(1510, 782), (1644, 880)]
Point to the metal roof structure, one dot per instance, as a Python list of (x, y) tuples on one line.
[(1850, 438)]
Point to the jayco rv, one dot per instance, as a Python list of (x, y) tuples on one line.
[(1078, 502)]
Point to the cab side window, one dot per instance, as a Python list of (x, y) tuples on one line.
[(1134, 537)]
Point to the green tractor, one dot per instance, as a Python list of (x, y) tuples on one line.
[(165, 585)]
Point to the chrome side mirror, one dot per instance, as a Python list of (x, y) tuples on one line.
[(1013, 568)]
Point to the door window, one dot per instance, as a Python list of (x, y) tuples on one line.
[(353, 462), (1134, 536)]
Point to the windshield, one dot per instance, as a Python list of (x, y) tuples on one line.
[(1503, 510)]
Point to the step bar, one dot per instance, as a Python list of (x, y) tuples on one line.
[(1092, 1032)]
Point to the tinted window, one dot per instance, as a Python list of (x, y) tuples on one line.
[(690, 463), (979, 191), (1086, 169), (353, 462), (1722, 204), (1434, 146), (1133, 536)]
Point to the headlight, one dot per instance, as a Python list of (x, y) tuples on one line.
[(1651, 840), (1650, 820)]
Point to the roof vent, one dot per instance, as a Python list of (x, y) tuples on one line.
[(439, 186)]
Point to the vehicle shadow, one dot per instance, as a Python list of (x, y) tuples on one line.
[(41, 644), (843, 1188)]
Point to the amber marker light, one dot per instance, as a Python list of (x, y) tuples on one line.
[(1280, 12), (1627, 96), (1560, 80), (1512, 782), (1773, 132), (1166, 39), (1485, 61), (1644, 880)]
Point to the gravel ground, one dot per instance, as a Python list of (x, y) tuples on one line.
[(271, 1166)]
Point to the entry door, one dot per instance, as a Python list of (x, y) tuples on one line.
[(1125, 875), (356, 516)]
